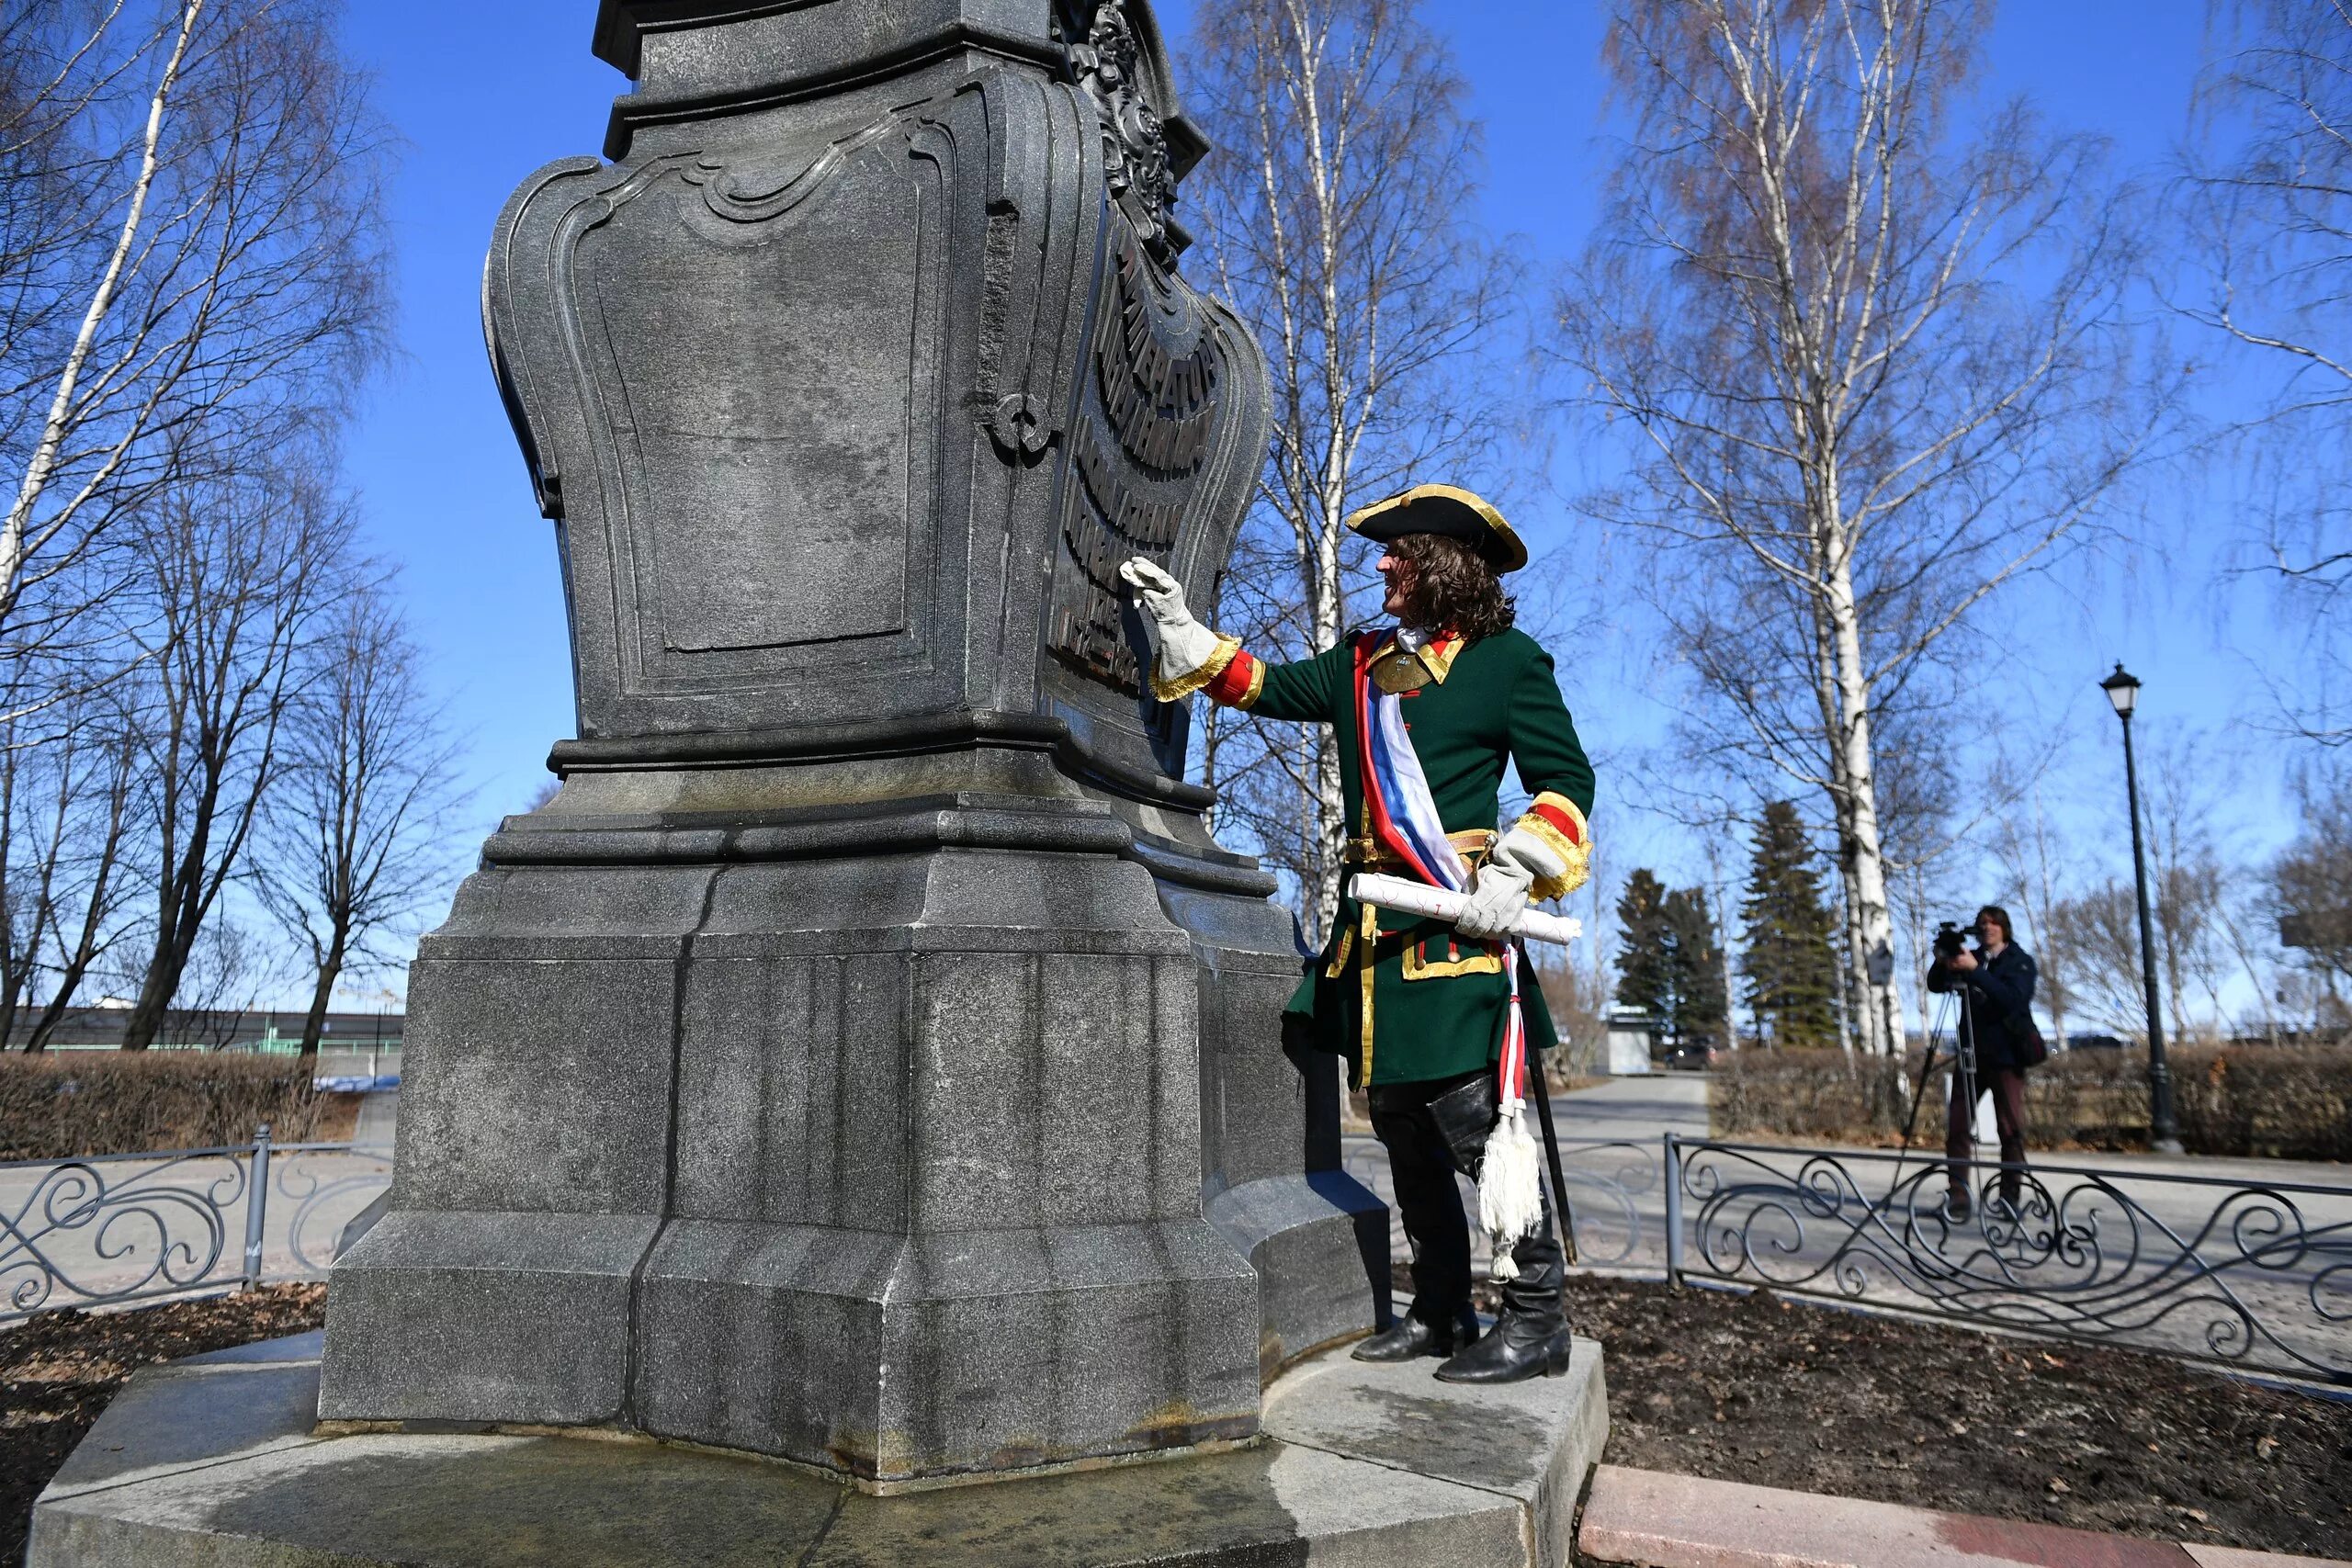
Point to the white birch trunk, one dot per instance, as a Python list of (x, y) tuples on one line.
[(1723, 950), (1337, 225), (61, 417), (1873, 923)]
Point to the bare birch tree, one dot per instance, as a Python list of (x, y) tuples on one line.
[(239, 574), (190, 266), (2267, 203), (2030, 860), (1872, 367), (2200, 895), (1338, 218), (352, 839), (65, 841), (2310, 893)]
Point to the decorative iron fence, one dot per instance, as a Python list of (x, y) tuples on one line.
[(118, 1228), (1612, 1185), (2253, 1275)]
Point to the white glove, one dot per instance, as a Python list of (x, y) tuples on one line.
[(1498, 893), (1184, 644)]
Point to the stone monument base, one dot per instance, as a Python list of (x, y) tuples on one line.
[(216, 1459)]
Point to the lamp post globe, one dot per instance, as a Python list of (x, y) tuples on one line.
[(2123, 691)]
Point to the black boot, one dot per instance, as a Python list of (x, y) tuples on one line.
[(1517, 1348), (1531, 1336), (1409, 1337), (1420, 1163)]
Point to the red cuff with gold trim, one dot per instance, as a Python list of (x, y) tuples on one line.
[(1237, 685), (1554, 819), (1561, 822)]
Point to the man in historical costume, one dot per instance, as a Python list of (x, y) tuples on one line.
[(1423, 1011)]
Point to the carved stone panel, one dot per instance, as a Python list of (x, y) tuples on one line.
[(732, 368), (766, 328), (1114, 67), (772, 507)]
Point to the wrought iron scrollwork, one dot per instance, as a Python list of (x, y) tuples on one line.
[(114, 1229), (2246, 1274), (96, 1231), (1607, 1180)]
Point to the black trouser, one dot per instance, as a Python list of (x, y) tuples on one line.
[(2007, 1089), (1426, 1149)]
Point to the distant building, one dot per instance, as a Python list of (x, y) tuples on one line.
[(100, 1029), (1632, 1037)]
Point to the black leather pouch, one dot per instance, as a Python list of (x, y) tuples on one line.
[(1464, 1114)]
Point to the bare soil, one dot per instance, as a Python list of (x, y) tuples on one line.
[(58, 1372), (1762, 1390)]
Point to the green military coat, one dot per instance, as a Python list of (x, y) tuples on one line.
[(1404, 999)]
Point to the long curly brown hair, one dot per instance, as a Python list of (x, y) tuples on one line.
[(1454, 588)]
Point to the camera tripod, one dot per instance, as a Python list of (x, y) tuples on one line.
[(1962, 1021)]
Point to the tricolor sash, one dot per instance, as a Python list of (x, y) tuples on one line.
[(1404, 820)]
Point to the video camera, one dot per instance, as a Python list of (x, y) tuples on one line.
[(1952, 936)]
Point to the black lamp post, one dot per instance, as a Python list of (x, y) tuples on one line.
[(2123, 691)]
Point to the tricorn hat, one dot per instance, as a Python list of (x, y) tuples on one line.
[(1444, 509)]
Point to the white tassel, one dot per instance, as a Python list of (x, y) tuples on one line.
[(1511, 1192)]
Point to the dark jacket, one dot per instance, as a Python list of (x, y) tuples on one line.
[(1999, 1005), (1477, 708)]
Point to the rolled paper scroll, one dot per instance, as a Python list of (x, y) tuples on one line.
[(1437, 904)]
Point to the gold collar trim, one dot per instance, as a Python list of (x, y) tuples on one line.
[(1436, 657)]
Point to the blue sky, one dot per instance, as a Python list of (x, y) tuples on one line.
[(481, 105)]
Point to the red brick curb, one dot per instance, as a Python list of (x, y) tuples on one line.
[(1654, 1521)]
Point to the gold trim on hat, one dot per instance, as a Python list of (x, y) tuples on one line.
[(1514, 548)]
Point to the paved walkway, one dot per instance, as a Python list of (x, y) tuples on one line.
[(1635, 1107), (1653, 1520)]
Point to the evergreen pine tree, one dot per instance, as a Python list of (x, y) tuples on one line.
[(1791, 960), (1643, 961), (1700, 1012)]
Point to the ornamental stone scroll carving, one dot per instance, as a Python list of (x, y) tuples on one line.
[(755, 363)]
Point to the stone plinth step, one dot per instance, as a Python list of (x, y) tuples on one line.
[(1641, 1519), (215, 1461)]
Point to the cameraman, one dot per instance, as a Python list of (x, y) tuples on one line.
[(1995, 987)]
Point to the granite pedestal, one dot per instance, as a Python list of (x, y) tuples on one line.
[(215, 1461), (868, 1058)]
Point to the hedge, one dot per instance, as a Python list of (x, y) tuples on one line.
[(2274, 1102), (90, 1102)]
